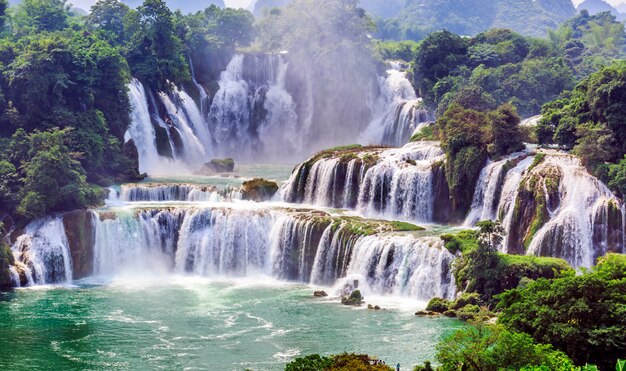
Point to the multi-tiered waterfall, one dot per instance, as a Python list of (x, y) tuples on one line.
[(391, 183), (550, 205), (258, 114), (247, 240)]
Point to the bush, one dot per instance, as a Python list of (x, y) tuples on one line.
[(438, 305), (581, 315)]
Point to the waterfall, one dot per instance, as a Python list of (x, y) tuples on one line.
[(403, 265), (582, 213), (399, 185), (302, 246), (175, 192), (42, 253), (252, 113), (493, 178), (225, 242), (398, 113), (141, 130), (191, 127)]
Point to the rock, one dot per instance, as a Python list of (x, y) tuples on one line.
[(80, 233), (355, 299), (214, 166), (320, 294), (373, 307), (426, 313), (376, 307), (259, 190)]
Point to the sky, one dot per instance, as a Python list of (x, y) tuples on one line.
[(86, 4)]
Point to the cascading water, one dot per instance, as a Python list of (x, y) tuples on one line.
[(301, 246), (399, 185), (403, 265), (495, 181), (398, 114), (578, 229), (578, 220), (42, 254), (141, 130), (175, 192)]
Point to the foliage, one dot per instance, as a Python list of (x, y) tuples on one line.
[(394, 50), (582, 315), (591, 120), (108, 16), (468, 137), (482, 270), (341, 362), (33, 16), (154, 52), (495, 67), (590, 42), (489, 347), (311, 362), (6, 261)]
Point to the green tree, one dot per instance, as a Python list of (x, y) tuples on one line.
[(581, 315), (155, 52), (439, 55), (505, 129), (108, 16), (34, 16), (491, 348)]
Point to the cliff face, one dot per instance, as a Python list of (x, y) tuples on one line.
[(80, 232)]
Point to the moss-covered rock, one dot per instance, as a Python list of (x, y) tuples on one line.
[(226, 165), (355, 299), (259, 190), (438, 305), (442, 206), (538, 194), (462, 173), (6, 261), (80, 232)]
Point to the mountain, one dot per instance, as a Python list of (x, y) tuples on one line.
[(599, 6), (376, 8), (470, 17), (596, 6)]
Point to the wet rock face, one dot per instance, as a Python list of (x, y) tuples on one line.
[(80, 232), (538, 195), (259, 190), (442, 208)]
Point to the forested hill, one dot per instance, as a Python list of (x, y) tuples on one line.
[(186, 6), (528, 17)]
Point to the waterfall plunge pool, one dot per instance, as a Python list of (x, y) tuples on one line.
[(185, 322)]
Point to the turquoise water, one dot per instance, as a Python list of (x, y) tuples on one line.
[(182, 322), (243, 172)]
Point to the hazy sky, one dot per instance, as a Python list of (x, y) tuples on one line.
[(86, 4)]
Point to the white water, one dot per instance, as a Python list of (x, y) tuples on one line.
[(398, 186), (241, 242), (570, 231), (141, 130), (398, 113), (493, 181), (173, 192), (253, 115), (42, 252)]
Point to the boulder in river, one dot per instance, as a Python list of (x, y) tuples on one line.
[(259, 190), (320, 294), (226, 165)]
